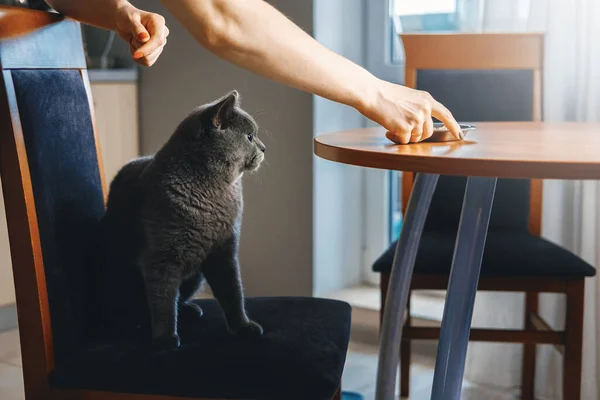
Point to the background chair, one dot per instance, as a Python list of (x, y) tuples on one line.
[(54, 192), (492, 77)]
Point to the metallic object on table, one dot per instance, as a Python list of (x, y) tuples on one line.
[(442, 134)]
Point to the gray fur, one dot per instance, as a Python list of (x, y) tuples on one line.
[(174, 219)]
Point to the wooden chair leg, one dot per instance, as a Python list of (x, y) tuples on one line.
[(405, 353), (528, 365), (573, 340)]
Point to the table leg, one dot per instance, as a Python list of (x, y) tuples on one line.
[(397, 296), (462, 287)]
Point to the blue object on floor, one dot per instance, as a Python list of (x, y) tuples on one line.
[(351, 396)]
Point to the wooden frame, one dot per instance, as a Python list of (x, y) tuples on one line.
[(481, 52), (37, 40), (36, 50), (473, 51)]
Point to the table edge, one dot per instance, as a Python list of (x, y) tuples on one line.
[(459, 166)]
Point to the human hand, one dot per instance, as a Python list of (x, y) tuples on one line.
[(145, 32), (406, 113)]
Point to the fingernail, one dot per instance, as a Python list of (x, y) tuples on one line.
[(138, 55), (142, 36)]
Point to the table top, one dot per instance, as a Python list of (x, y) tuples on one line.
[(500, 149)]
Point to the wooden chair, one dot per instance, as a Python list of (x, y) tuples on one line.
[(492, 77), (54, 194)]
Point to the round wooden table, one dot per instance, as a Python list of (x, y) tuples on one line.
[(533, 150)]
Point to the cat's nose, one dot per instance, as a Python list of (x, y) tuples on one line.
[(263, 149)]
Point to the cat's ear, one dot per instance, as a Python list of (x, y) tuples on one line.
[(223, 110)]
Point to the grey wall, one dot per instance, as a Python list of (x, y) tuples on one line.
[(277, 236), (339, 194)]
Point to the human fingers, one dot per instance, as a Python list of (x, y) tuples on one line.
[(158, 33), (440, 112)]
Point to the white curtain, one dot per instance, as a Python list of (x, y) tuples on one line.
[(571, 211)]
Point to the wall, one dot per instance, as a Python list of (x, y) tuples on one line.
[(339, 195), (277, 235)]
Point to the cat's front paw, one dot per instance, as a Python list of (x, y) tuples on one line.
[(166, 342), (249, 328)]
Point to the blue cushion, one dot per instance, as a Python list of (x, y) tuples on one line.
[(300, 356), (507, 254), (61, 151)]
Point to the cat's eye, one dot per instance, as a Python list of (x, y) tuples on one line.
[(250, 137)]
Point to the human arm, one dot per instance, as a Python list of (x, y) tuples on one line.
[(145, 32), (257, 37)]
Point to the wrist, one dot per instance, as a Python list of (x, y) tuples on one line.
[(123, 5), (367, 94), (123, 9), (123, 13)]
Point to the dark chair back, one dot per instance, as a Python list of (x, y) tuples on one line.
[(479, 88), (53, 187)]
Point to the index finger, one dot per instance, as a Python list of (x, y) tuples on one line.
[(443, 114)]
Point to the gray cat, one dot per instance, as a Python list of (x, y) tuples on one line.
[(174, 218)]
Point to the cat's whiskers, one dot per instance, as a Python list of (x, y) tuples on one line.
[(259, 112), (267, 133)]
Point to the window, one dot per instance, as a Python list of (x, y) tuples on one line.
[(420, 16), (423, 7)]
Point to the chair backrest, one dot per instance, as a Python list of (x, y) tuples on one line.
[(53, 184), (480, 77)]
